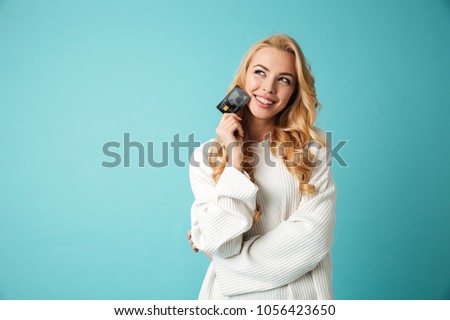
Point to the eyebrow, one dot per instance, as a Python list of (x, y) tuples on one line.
[(281, 74)]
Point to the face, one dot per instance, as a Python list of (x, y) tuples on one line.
[(270, 81)]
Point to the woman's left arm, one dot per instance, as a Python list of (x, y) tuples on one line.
[(293, 248)]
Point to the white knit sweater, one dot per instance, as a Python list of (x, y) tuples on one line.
[(287, 253)]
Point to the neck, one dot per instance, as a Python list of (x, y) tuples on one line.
[(259, 128)]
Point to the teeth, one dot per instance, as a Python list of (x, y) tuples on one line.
[(264, 100)]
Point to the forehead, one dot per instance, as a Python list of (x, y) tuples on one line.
[(275, 60)]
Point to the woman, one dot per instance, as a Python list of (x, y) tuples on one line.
[(264, 208)]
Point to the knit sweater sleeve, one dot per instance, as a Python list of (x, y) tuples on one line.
[(221, 211), (290, 250)]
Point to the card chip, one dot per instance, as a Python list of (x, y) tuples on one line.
[(226, 108)]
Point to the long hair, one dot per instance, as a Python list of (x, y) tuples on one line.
[(293, 127)]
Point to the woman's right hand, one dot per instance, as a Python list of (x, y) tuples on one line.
[(230, 123)]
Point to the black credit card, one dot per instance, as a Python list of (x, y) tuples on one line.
[(234, 101)]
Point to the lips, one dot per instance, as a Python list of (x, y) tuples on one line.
[(264, 102)]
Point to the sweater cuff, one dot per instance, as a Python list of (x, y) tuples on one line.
[(235, 184)]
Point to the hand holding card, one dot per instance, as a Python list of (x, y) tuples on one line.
[(230, 129)]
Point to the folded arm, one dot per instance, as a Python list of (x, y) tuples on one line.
[(221, 212), (289, 251)]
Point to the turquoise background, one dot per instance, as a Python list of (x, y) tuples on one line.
[(77, 74)]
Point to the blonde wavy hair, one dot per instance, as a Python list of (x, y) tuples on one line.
[(293, 127)]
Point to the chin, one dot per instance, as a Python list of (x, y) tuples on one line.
[(259, 113), (260, 116)]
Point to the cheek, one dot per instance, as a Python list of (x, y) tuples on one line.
[(250, 82)]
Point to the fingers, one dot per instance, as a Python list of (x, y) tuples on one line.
[(194, 248), (230, 115), (190, 241), (229, 123), (232, 122)]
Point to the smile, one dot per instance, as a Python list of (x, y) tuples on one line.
[(264, 101)]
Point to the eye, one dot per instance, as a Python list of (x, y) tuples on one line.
[(285, 80), (260, 72)]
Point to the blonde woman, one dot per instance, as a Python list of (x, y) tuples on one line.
[(264, 209)]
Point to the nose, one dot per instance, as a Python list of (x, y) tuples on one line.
[(269, 86)]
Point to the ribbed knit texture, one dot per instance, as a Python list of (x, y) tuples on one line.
[(286, 254)]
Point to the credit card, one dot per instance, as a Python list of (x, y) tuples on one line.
[(234, 101)]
